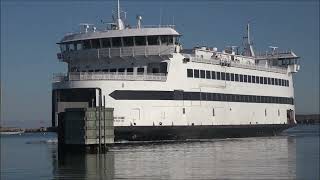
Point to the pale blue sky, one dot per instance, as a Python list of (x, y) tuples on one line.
[(29, 31)]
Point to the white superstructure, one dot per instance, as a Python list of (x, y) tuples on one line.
[(150, 80)]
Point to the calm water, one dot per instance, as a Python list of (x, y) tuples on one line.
[(294, 155)]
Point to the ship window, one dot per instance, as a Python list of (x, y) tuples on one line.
[(272, 81), (183, 110), (241, 78), (213, 74), (127, 41), (95, 43), (63, 47), (213, 112), (155, 70), (72, 47), (116, 42), (218, 76), (278, 112), (105, 70), (86, 44), (170, 40), (269, 80), (228, 76), (261, 80), (97, 70), (253, 79), (276, 81), (202, 74), (265, 112), (223, 76), (113, 70), (90, 71), (78, 46), (257, 79), (236, 77), (288, 83), (130, 71), (208, 75), (232, 77), (153, 40), (140, 40), (249, 79), (245, 78), (106, 43), (282, 82), (140, 71), (164, 40), (265, 80), (196, 73), (121, 69)]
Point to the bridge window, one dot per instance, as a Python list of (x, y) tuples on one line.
[(121, 69), (232, 77), (86, 44), (189, 73), (261, 80), (245, 78), (170, 40), (164, 40), (116, 42), (257, 79), (127, 41), (269, 80), (272, 81), (153, 40), (249, 78), (140, 40), (196, 73), (130, 70), (106, 43), (276, 81), (265, 80), (223, 76), (140, 71), (63, 47), (95, 43), (78, 46), (241, 78)]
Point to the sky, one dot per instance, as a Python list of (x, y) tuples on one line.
[(31, 29)]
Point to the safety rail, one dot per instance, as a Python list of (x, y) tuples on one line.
[(86, 76), (239, 65), (157, 50)]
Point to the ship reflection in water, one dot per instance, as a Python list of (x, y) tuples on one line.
[(283, 157)]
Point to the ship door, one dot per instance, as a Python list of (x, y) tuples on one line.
[(135, 116), (290, 116)]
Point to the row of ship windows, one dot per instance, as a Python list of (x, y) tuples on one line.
[(114, 70), (196, 73), (116, 42), (236, 98)]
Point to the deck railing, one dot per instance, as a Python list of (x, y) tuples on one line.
[(86, 76), (119, 52), (240, 65)]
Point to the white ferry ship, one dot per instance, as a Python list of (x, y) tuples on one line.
[(161, 91)]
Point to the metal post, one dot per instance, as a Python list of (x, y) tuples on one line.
[(99, 109), (104, 122)]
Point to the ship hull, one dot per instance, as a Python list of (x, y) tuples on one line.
[(156, 133)]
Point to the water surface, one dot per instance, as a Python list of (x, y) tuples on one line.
[(293, 155)]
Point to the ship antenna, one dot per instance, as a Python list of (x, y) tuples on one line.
[(120, 24), (248, 48)]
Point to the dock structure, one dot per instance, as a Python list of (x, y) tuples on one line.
[(308, 118), (86, 128)]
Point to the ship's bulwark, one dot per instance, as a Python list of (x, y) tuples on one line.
[(155, 133)]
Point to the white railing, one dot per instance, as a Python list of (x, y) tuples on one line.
[(119, 52), (86, 76), (240, 65)]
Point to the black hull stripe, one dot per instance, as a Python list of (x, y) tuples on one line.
[(152, 133), (197, 96)]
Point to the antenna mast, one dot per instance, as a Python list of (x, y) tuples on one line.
[(120, 24), (248, 48)]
